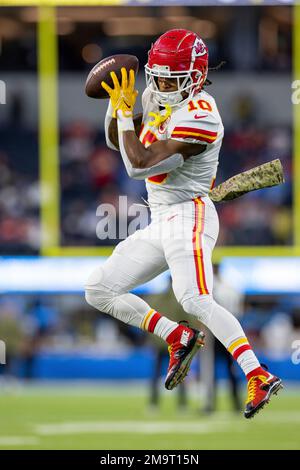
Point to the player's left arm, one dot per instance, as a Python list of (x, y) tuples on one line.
[(160, 157)]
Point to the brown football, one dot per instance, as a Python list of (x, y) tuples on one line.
[(101, 72)]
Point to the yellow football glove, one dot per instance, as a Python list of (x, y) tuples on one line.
[(158, 118), (122, 96)]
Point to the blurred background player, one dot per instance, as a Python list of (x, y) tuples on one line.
[(177, 153)]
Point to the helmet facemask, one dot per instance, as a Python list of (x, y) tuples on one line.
[(185, 84)]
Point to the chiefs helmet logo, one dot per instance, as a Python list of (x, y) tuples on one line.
[(199, 48)]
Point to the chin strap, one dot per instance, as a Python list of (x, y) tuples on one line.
[(159, 118)]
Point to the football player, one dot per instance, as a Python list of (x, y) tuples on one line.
[(175, 147)]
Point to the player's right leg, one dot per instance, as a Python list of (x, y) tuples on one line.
[(134, 261), (189, 258)]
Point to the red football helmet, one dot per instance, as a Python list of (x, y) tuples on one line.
[(180, 54)]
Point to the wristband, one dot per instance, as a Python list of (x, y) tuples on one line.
[(124, 123)]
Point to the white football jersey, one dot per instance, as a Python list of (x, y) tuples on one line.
[(197, 121)]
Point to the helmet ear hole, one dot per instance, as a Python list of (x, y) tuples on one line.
[(198, 79)]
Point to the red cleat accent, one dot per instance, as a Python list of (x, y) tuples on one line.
[(184, 342)]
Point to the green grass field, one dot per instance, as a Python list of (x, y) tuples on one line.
[(102, 417)]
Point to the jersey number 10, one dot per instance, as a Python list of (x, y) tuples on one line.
[(200, 104)]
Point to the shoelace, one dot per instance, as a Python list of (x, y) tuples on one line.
[(253, 385), (159, 118)]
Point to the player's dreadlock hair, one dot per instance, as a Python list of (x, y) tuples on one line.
[(214, 69)]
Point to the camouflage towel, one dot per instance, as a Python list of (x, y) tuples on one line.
[(262, 176)]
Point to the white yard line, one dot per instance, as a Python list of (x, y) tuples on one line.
[(220, 422), (8, 441), (137, 427)]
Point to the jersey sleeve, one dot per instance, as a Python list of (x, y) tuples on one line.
[(196, 128)]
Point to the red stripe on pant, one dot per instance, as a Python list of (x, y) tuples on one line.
[(197, 248)]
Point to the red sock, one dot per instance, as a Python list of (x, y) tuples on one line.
[(257, 371)]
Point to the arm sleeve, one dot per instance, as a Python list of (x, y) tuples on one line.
[(108, 118), (165, 166), (196, 131)]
